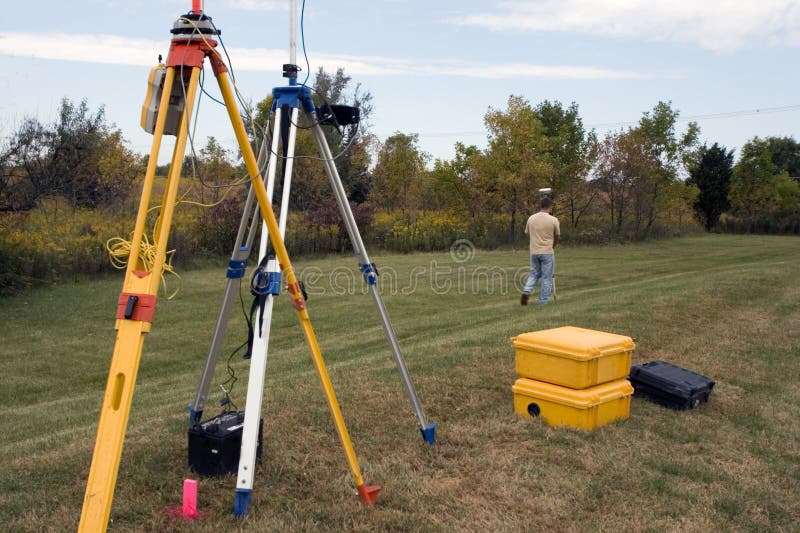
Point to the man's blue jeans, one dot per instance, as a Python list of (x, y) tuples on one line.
[(542, 266)]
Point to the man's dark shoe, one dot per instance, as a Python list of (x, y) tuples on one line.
[(523, 300)]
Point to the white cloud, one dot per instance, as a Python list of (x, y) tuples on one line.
[(112, 49), (719, 25)]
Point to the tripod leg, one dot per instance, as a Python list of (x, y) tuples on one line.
[(134, 318), (260, 349), (236, 270), (371, 277), (368, 494), (234, 274)]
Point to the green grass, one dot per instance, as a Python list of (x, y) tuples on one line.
[(725, 306)]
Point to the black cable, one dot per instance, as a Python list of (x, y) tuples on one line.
[(232, 379), (268, 137), (202, 88)]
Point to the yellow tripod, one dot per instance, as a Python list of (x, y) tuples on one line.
[(191, 45)]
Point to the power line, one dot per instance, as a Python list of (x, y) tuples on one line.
[(706, 116), (711, 116)]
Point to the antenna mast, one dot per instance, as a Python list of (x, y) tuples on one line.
[(292, 32)]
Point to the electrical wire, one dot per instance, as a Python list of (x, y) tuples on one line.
[(247, 108), (232, 379), (227, 385), (191, 135), (706, 116), (119, 249), (303, 41)]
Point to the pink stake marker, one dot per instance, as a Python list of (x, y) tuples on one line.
[(189, 509)]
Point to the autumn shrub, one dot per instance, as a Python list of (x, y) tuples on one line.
[(54, 241), (786, 222), (424, 231), (217, 225)]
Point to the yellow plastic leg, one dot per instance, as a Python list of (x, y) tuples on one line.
[(116, 405)]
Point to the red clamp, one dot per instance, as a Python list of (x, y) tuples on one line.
[(140, 307), (297, 295)]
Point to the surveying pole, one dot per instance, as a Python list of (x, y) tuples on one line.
[(192, 42), (266, 291)]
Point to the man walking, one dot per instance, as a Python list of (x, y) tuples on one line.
[(543, 230)]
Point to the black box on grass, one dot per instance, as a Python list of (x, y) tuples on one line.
[(215, 445), (670, 385)]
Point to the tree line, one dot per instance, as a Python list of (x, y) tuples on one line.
[(644, 180), (78, 157)]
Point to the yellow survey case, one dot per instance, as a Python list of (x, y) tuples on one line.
[(583, 409), (573, 357)]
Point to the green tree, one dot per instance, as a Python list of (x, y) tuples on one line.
[(753, 184), (571, 152), (516, 162), (785, 152), (763, 194), (67, 158), (214, 169), (712, 175), (26, 159), (672, 153), (624, 160), (787, 193), (118, 167), (398, 173), (453, 185)]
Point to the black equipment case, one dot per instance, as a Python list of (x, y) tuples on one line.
[(215, 445), (670, 385)]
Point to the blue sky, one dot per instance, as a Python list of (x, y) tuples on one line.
[(434, 68)]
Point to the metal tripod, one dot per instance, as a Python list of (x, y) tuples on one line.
[(288, 100), (177, 83)]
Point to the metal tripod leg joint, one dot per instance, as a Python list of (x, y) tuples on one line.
[(292, 96), (370, 272), (236, 268)]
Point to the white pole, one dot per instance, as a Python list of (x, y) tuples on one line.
[(293, 32), (258, 359)]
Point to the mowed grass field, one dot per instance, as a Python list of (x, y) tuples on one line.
[(724, 306)]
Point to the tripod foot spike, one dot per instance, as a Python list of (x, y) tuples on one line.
[(429, 434), (368, 493), (242, 502)]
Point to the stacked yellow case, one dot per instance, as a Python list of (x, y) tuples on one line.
[(573, 376)]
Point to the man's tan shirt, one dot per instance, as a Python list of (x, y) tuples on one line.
[(542, 229)]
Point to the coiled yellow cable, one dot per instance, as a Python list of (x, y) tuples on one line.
[(119, 250)]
